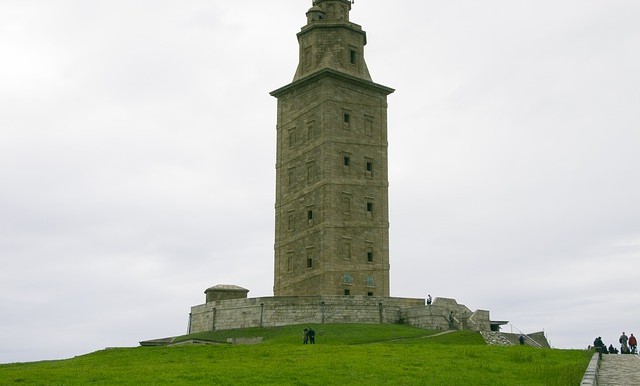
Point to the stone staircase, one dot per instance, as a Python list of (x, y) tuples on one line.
[(495, 338)]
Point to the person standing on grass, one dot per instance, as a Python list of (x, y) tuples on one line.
[(521, 339), (305, 336), (312, 336), (633, 344)]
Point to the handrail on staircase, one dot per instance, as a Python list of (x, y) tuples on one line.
[(527, 338)]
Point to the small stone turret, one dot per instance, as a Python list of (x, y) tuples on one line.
[(225, 292), (314, 14)]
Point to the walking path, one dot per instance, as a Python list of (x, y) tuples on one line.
[(617, 370)]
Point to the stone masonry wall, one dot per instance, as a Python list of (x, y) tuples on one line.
[(437, 316), (288, 310)]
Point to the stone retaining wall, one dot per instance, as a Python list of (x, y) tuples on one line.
[(591, 374), (288, 310)]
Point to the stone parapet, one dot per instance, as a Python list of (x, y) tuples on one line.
[(288, 310), (591, 374)]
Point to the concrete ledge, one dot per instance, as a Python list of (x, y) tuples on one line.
[(254, 340), (156, 342), (591, 375), (195, 342)]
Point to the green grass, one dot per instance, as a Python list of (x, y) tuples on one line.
[(349, 354)]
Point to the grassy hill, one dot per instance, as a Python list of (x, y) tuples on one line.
[(351, 354)]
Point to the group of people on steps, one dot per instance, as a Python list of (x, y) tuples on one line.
[(628, 345)]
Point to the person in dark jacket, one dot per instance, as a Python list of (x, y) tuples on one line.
[(312, 336)]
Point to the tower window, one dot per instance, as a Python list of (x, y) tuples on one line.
[(292, 221), (370, 256), (346, 278), (368, 125), (369, 208), (346, 204), (292, 177), (347, 292), (290, 261), (346, 119), (346, 250), (369, 167), (309, 262), (346, 163), (352, 56), (312, 171), (312, 132), (310, 216), (292, 138), (370, 282)]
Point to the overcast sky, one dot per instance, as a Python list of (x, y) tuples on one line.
[(137, 153)]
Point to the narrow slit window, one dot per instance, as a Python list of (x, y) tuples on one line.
[(310, 216), (346, 160), (346, 251), (312, 172), (292, 222), (291, 177), (292, 138), (352, 56), (368, 126), (346, 119), (346, 205), (289, 263), (370, 256), (369, 207), (312, 133)]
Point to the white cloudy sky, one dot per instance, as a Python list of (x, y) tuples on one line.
[(137, 151)]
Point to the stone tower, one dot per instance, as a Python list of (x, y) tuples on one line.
[(332, 221)]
